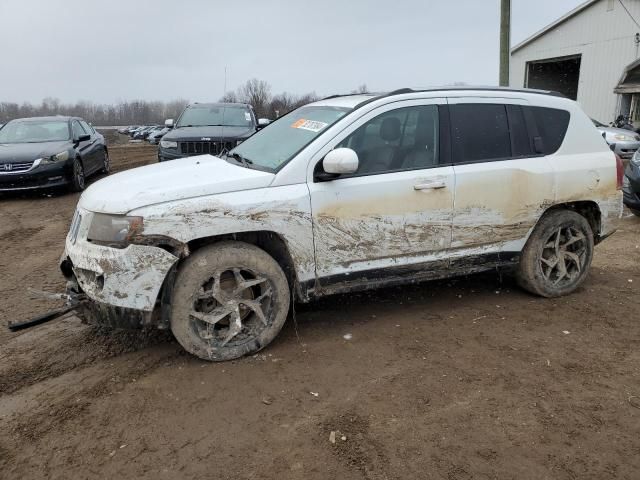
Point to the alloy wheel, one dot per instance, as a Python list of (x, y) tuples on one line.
[(564, 256), (231, 307), (78, 171)]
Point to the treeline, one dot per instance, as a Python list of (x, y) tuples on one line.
[(258, 94), (143, 112), (136, 112)]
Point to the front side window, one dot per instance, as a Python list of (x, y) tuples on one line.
[(215, 115), (34, 131), (273, 146), (78, 131), (401, 139), (88, 128), (480, 132)]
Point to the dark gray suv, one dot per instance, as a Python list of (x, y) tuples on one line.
[(208, 128)]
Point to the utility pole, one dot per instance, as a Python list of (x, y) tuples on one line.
[(505, 41)]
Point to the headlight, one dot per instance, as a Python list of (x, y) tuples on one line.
[(168, 144), (624, 138), (59, 157), (114, 230)]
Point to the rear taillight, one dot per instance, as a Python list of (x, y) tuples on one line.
[(619, 172)]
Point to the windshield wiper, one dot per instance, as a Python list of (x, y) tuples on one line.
[(240, 159)]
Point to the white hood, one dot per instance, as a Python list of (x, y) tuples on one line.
[(168, 181)]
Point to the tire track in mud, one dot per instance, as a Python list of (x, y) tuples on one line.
[(34, 424), (33, 358)]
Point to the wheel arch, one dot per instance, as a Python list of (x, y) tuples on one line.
[(589, 209), (271, 242)]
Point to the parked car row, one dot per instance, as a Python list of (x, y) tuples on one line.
[(151, 133)]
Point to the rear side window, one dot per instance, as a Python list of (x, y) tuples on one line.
[(521, 144), (480, 132), (547, 127)]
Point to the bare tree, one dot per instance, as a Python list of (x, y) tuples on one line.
[(256, 93), (229, 97), (137, 112), (361, 89)]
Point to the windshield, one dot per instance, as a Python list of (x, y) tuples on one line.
[(198, 116), (278, 143), (35, 131)]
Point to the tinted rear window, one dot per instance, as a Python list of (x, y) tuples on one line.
[(480, 132), (552, 127), (521, 144)]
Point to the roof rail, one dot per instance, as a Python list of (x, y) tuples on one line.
[(337, 95), (402, 91)]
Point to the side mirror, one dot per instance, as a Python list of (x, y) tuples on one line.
[(168, 123), (263, 122), (340, 161), (83, 138)]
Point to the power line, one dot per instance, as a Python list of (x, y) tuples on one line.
[(629, 13)]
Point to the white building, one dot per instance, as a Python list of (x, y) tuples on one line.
[(590, 54)]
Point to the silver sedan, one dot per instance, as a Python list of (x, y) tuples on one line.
[(626, 141)]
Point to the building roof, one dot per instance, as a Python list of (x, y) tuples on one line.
[(630, 79), (553, 25)]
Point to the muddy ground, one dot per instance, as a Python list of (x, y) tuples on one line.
[(471, 378)]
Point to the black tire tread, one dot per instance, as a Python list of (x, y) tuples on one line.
[(528, 273), (200, 264)]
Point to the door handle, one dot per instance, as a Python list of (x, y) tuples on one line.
[(434, 185)]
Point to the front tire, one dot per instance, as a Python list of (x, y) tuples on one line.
[(557, 257), (230, 299)]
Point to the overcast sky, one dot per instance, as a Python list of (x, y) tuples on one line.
[(166, 49)]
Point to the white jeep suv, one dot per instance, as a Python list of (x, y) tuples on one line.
[(348, 193)]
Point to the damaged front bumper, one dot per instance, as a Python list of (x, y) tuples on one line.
[(121, 285)]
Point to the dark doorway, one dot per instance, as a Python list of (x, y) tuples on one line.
[(557, 74)]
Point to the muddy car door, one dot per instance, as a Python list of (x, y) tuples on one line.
[(392, 216), (502, 184)]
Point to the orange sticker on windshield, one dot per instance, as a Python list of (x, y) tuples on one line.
[(311, 125)]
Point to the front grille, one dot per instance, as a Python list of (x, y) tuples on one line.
[(15, 167), (201, 148)]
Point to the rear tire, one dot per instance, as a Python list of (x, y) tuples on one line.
[(106, 163), (556, 259), (78, 179), (229, 299), (635, 212)]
